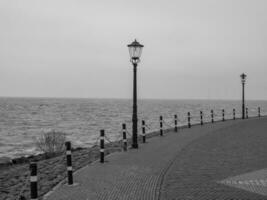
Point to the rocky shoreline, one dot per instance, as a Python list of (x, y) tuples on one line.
[(6, 162), (14, 177)]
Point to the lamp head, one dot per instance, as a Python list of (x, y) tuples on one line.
[(243, 78), (135, 51)]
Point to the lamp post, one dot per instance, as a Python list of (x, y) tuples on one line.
[(243, 80), (135, 50)]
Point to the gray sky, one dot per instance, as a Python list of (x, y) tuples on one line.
[(193, 49)]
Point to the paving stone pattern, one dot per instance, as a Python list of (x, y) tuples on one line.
[(139, 174), (198, 169), (255, 181)]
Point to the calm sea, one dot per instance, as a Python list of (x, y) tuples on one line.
[(24, 119)]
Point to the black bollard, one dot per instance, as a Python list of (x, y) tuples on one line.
[(144, 131), (247, 113), (259, 112), (33, 180), (233, 114), (124, 138), (102, 147), (189, 118), (223, 115), (161, 125), (175, 123), (69, 162), (212, 116), (201, 117)]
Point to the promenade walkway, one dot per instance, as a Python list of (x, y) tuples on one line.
[(204, 162)]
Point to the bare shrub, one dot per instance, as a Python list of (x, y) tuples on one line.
[(51, 143)]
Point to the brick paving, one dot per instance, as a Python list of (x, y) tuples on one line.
[(184, 165), (255, 181), (199, 169)]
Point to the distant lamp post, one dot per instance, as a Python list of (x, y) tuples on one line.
[(135, 50), (243, 81)]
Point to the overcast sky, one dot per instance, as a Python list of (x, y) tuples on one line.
[(193, 49)]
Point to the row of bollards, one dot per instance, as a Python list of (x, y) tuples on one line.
[(201, 119), (33, 173), (102, 133), (33, 165)]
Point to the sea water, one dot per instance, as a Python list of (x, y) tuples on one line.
[(22, 120)]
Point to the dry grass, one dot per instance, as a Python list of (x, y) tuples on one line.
[(51, 142)]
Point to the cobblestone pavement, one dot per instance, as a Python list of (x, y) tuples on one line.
[(183, 165), (255, 181), (203, 169)]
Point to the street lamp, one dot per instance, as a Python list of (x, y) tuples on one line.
[(135, 50), (243, 80)]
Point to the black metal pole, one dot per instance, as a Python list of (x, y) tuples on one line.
[(188, 118), (233, 114), (33, 180), (161, 125), (69, 162), (135, 120), (175, 123), (124, 138), (243, 100), (144, 131), (102, 147), (201, 117), (212, 116)]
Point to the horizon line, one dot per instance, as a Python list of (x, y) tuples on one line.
[(123, 98)]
